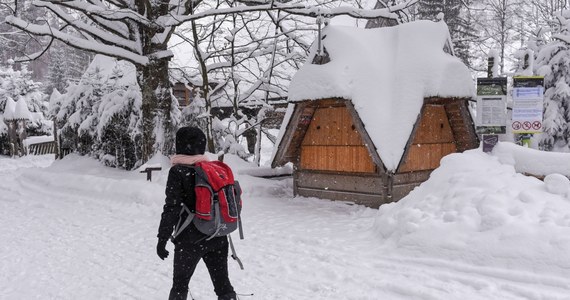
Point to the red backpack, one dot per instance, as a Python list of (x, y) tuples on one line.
[(218, 199), (218, 203)]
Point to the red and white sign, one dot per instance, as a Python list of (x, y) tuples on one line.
[(516, 125)]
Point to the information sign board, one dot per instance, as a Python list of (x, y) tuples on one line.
[(528, 103), (491, 105)]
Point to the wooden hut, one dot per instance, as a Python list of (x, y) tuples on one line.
[(371, 123)]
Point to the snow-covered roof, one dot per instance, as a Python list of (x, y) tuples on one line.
[(386, 73), (22, 112), (17, 110), (9, 109)]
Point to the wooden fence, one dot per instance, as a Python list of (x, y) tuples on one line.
[(42, 148), (48, 148)]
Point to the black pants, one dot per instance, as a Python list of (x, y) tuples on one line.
[(187, 254)]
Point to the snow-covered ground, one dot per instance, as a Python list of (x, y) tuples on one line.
[(73, 229)]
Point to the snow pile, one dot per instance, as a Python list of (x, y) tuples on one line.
[(478, 210), (532, 161), (386, 72), (9, 165)]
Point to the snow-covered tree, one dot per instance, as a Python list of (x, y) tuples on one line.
[(139, 31), (15, 44), (553, 62), (57, 76), (498, 27), (238, 69), (78, 108), (458, 17), (542, 13), (117, 132)]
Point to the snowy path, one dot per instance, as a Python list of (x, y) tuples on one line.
[(71, 235)]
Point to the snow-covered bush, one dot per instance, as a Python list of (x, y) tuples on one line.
[(226, 136)]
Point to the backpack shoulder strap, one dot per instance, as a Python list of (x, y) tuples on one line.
[(182, 225), (234, 254)]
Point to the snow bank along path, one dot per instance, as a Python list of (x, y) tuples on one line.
[(76, 230)]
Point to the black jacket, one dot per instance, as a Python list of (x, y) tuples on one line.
[(179, 190)]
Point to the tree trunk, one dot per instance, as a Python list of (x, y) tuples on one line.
[(205, 89), (251, 137), (157, 125)]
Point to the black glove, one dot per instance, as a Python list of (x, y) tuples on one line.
[(161, 249)]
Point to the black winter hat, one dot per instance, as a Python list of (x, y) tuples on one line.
[(190, 141)]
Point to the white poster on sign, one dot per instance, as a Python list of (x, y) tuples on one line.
[(491, 110), (527, 109)]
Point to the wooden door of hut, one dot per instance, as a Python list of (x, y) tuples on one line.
[(433, 140), (332, 143)]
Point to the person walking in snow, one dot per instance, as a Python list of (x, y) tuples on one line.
[(191, 245)]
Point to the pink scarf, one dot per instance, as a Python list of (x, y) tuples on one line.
[(182, 159)]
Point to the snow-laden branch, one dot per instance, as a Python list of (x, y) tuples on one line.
[(114, 14), (261, 84), (175, 20), (388, 13), (120, 31), (114, 27), (297, 9), (562, 37), (103, 36), (36, 55), (117, 3), (46, 30)]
